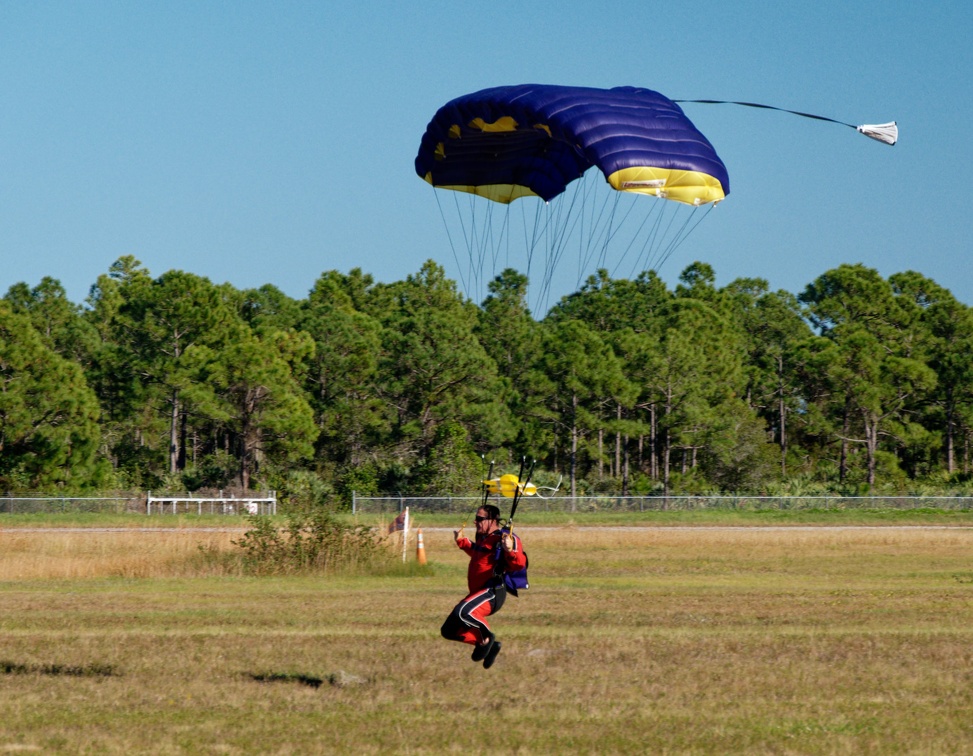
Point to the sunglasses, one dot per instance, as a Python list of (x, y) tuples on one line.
[(482, 519)]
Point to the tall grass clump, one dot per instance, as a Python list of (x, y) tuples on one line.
[(312, 540)]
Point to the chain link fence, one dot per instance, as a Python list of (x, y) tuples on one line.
[(220, 503), (120, 504), (581, 504)]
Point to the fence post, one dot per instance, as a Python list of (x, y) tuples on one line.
[(354, 501)]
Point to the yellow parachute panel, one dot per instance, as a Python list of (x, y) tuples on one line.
[(503, 193), (688, 187), (508, 486)]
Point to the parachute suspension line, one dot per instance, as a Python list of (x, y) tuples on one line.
[(680, 236), (550, 212), (534, 234), (475, 247), (502, 241), (684, 232), (656, 235), (553, 214), (549, 233), (887, 133), (488, 248), (566, 222), (449, 236), (582, 221), (599, 235), (527, 247), (700, 219), (484, 236), (602, 261), (482, 233), (640, 233), (599, 232), (506, 233), (469, 237), (662, 249), (591, 212), (604, 231)]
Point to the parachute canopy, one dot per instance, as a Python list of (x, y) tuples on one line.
[(508, 486), (533, 140)]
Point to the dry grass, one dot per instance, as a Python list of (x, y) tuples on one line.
[(80, 554), (647, 641)]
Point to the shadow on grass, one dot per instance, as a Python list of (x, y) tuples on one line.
[(286, 677), (340, 679), (58, 670)]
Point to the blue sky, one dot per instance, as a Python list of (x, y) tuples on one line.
[(259, 142)]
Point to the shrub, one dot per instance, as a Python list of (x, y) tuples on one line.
[(310, 541), (303, 490)]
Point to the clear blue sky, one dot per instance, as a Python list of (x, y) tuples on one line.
[(266, 142)]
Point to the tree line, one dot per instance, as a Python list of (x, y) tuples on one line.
[(857, 384)]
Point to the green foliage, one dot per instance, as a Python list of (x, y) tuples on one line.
[(250, 389), (311, 541), (303, 490), (216, 470), (48, 415), (435, 368), (738, 456), (450, 467), (871, 372), (342, 379), (59, 322), (363, 479), (859, 384)]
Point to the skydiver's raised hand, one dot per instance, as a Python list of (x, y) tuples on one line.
[(507, 542), (457, 535)]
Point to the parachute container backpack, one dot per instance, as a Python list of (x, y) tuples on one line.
[(533, 142), (515, 580)]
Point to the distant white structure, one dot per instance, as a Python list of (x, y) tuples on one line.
[(227, 505)]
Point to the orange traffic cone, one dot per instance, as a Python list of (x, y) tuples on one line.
[(420, 549)]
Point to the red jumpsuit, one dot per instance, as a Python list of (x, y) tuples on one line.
[(467, 621)]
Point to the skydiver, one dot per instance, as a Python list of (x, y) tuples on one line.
[(493, 553)]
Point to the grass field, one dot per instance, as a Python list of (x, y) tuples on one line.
[(653, 640)]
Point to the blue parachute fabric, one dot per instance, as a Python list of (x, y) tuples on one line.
[(539, 138)]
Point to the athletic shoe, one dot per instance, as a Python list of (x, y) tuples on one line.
[(491, 655), (480, 651)]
